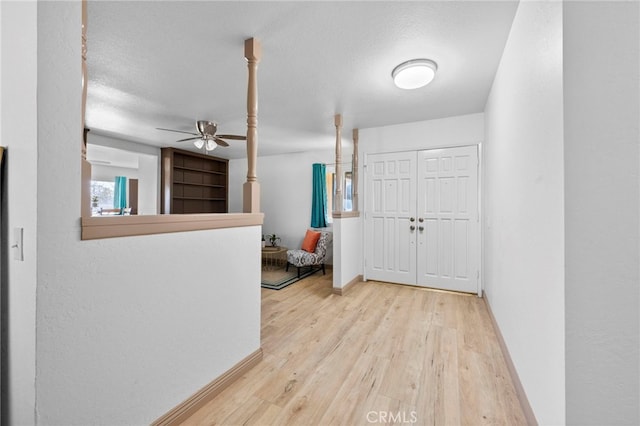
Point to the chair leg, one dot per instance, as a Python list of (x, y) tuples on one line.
[(323, 273), (287, 268), (298, 272)]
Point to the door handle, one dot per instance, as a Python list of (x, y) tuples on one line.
[(420, 220), (421, 228), (413, 228), (412, 219)]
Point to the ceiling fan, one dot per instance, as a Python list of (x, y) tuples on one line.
[(206, 136)]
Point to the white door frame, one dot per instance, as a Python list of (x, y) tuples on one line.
[(364, 193)]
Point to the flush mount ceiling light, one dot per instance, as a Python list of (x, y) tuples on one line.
[(414, 74)]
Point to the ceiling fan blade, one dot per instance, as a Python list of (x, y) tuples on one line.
[(220, 141), (177, 131), (235, 137), (189, 139)]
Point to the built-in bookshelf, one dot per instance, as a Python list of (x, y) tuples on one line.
[(193, 183)]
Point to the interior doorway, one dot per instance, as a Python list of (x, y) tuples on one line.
[(422, 218)]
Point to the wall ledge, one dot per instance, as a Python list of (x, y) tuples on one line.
[(344, 215), (127, 226)]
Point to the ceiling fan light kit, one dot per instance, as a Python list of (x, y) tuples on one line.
[(206, 136), (414, 74)]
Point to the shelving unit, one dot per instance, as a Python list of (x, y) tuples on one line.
[(193, 183)]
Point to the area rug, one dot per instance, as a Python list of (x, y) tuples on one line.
[(278, 279)]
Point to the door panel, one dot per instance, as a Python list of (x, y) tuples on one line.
[(461, 259), (390, 203), (448, 244)]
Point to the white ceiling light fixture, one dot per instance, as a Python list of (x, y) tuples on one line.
[(208, 144), (414, 74)]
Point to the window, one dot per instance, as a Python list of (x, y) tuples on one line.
[(102, 195), (347, 201), (129, 161), (348, 194), (331, 190)]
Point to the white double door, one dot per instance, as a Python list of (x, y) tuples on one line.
[(421, 218)]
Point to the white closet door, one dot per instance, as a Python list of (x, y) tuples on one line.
[(448, 235), (390, 206)]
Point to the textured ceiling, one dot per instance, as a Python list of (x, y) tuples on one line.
[(166, 64)]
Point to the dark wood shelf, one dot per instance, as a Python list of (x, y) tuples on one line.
[(191, 169), (199, 184), (193, 183), (199, 198)]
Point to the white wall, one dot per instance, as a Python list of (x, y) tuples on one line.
[(347, 250), (18, 133), (286, 192), (130, 327), (238, 176), (96, 138), (523, 199), (107, 173), (444, 132), (148, 185), (601, 96), (127, 328)]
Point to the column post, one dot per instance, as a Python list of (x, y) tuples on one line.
[(338, 199), (251, 188)]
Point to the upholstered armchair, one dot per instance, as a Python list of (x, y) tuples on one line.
[(303, 258)]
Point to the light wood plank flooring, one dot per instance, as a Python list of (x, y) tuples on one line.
[(381, 354)]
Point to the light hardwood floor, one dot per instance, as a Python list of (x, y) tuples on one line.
[(381, 354)]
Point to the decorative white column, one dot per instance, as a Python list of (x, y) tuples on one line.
[(251, 188), (338, 199)]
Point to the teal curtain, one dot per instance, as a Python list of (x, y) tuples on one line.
[(120, 193), (319, 201)]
